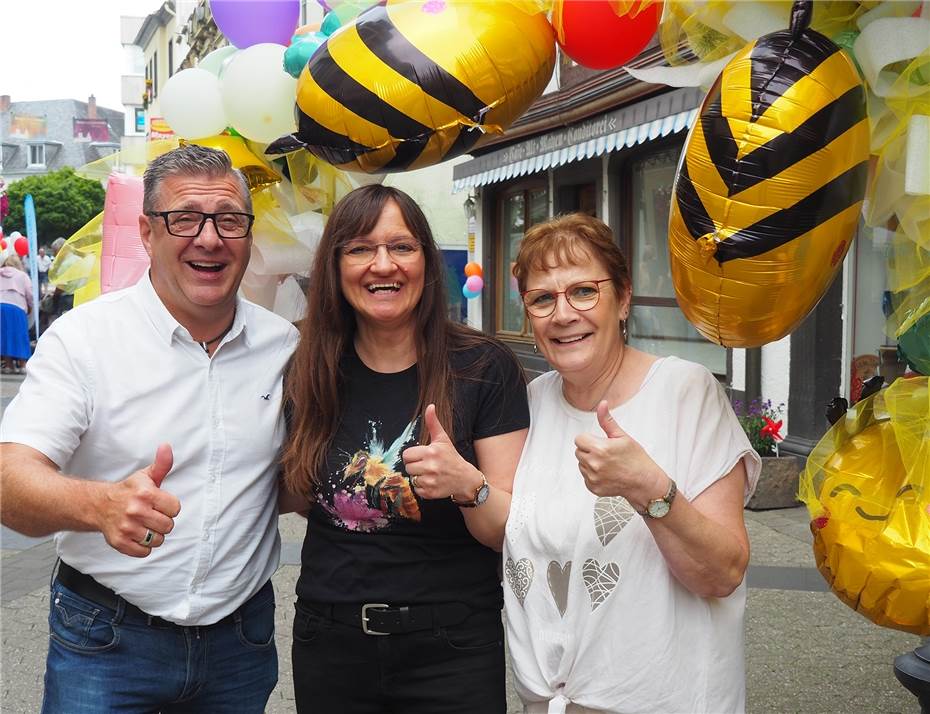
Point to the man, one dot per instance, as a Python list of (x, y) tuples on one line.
[(147, 432), (43, 263)]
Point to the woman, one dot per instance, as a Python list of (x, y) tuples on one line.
[(405, 430), (15, 307), (608, 610)]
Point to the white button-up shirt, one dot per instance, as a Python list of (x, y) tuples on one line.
[(113, 379)]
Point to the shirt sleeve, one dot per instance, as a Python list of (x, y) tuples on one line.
[(711, 440), (54, 404), (502, 403)]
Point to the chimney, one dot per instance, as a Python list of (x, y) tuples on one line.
[(91, 107), (5, 102)]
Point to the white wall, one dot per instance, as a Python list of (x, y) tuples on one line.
[(776, 363)]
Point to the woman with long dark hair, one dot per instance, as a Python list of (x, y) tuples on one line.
[(404, 432)]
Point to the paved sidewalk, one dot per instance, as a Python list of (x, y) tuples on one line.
[(805, 650)]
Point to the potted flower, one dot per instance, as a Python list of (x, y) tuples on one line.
[(778, 483)]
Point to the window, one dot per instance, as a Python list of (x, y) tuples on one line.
[(155, 75), (656, 323), (140, 120), (170, 58), (37, 154), (519, 210)]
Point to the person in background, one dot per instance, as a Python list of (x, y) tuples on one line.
[(404, 431), (626, 549), (43, 263), (15, 307), (147, 435)]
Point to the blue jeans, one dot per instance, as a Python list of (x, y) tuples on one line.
[(102, 660)]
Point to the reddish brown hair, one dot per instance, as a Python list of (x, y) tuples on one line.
[(572, 239)]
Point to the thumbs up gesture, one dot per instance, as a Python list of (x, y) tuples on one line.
[(438, 470), (129, 509), (616, 465)]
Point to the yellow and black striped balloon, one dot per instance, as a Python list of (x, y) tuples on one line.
[(769, 188), (411, 84)]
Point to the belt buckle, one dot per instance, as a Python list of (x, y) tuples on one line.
[(365, 608)]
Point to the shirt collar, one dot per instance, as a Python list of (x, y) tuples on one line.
[(165, 324)]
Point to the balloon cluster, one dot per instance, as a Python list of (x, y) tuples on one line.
[(474, 282), (20, 244), (244, 86)]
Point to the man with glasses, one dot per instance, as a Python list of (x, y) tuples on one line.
[(146, 434)]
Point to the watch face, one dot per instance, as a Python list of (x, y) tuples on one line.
[(482, 494), (658, 508)]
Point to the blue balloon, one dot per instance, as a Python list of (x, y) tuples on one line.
[(470, 294), (301, 50)]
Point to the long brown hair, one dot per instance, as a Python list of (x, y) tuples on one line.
[(311, 396)]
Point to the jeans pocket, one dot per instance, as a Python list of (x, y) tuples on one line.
[(255, 626), (307, 624), (468, 637), (81, 625)]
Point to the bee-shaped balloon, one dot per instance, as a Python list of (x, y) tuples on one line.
[(410, 84), (867, 487), (769, 187)]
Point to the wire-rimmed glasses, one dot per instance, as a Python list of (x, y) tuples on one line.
[(189, 224), (581, 296), (362, 253)]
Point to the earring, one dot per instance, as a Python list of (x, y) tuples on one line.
[(535, 349), (623, 329)]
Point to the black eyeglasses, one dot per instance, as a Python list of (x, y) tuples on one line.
[(189, 224), (581, 296)]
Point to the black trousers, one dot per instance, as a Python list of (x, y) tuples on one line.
[(338, 669)]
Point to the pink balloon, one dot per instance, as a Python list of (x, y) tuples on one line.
[(474, 283), (251, 22), (123, 259)]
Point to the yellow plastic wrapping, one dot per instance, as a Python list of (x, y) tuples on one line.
[(867, 489), (76, 268)]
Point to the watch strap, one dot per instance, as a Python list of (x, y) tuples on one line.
[(667, 499), (474, 501)]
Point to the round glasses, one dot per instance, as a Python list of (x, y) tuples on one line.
[(189, 224), (360, 253), (581, 296)]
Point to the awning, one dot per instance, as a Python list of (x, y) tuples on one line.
[(635, 124)]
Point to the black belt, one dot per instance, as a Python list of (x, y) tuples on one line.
[(90, 589), (381, 619)]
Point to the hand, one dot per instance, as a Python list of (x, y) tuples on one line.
[(437, 470), (617, 465), (132, 507)]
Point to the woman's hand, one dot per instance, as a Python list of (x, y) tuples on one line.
[(617, 465), (438, 470)]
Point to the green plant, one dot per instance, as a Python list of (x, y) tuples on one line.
[(761, 420)]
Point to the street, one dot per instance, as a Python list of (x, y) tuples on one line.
[(805, 650)]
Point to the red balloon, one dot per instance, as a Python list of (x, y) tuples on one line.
[(2, 244), (596, 37), (21, 246)]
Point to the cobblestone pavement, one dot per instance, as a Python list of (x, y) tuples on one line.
[(805, 650)]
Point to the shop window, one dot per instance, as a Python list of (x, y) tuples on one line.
[(518, 210), (578, 198), (656, 324)]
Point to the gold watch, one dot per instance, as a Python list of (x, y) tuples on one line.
[(659, 507), (481, 495)]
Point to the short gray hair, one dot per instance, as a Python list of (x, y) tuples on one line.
[(189, 160), (58, 244)]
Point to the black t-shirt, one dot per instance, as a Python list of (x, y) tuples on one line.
[(370, 538)]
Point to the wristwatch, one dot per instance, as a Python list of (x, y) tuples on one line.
[(481, 495), (659, 507)]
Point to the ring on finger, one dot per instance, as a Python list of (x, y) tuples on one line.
[(413, 481), (149, 537)]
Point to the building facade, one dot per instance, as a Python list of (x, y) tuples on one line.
[(43, 136)]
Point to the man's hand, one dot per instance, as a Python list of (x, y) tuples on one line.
[(438, 470), (131, 508)]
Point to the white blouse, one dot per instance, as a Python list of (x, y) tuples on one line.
[(595, 617)]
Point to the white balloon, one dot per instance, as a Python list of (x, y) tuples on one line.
[(192, 104), (258, 94), (216, 61), (15, 234)]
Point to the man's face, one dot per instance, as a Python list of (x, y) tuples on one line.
[(196, 278), (41, 252)]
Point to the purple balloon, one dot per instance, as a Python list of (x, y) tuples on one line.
[(474, 283), (251, 22)]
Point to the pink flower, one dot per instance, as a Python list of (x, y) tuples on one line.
[(355, 513)]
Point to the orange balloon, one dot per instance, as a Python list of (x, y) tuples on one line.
[(307, 29), (473, 269)]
